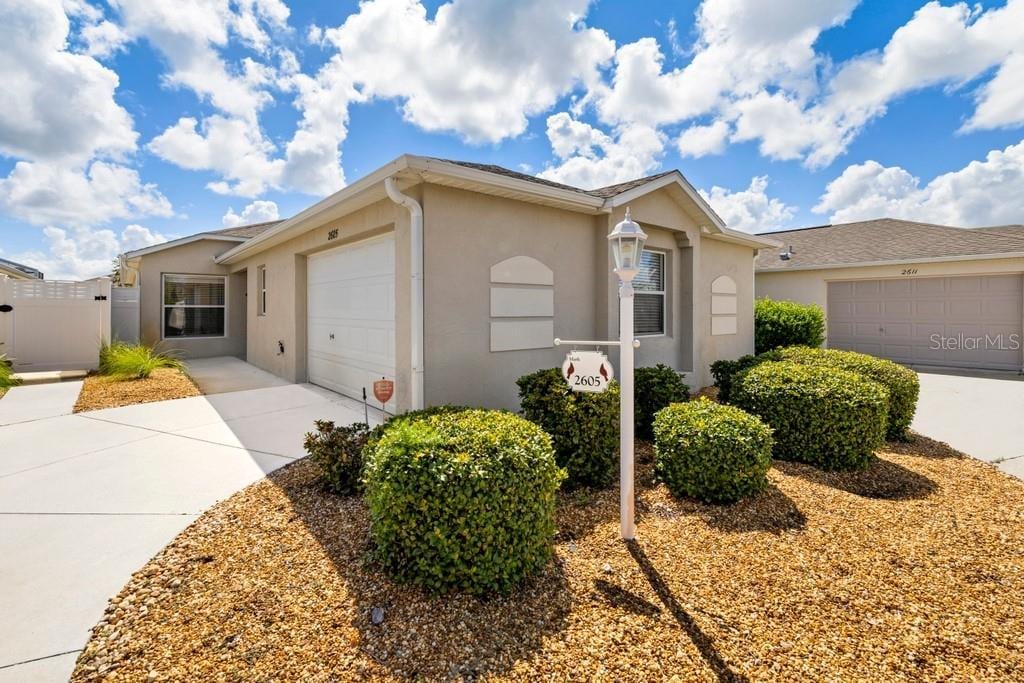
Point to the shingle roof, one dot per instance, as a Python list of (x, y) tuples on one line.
[(600, 192), (246, 231), (887, 239)]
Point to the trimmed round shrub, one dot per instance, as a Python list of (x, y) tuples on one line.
[(902, 382), (713, 452), (831, 418), (338, 453), (463, 500), (584, 427), (656, 387), (787, 323), (377, 432)]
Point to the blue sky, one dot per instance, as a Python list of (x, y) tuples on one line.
[(130, 122)]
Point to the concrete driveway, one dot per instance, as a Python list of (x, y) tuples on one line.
[(979, 414), (87, 499)]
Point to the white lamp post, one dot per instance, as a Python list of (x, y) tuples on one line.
[(627, 242)]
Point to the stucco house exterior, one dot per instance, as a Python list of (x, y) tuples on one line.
[(917, 293), (453, 279), (18, 271)]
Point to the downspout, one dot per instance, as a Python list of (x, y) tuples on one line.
[(416, 287)]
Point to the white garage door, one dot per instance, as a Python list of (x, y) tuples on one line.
[(968, 322), (351, 314)]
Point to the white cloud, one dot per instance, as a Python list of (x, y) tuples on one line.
[(751, 209), (698, 141), (259, 211), (591, 159), (939, 45), (54, 104), (229, 146), (478, 68), (984, 192), (44, 193), (82, 253)]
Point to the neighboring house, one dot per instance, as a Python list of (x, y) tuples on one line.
[(18, 271), (913, 292), (453, 279)]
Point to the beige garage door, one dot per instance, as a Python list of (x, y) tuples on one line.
[(967, 322)]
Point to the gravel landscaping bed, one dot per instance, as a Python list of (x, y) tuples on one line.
[(911, 570), (99, 391)]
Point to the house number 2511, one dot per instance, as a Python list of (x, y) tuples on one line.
[(908, 271), (332, 235)]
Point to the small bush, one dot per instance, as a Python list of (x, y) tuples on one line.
[(824, 416), (902, 382), (787, 323), (656, 388), (338, 453), (134, 361), (725, 370), (7, 378), (463, 500), (713, 452), (584, 427)]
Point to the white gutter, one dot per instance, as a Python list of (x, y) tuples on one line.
[(894, 262), (416, 286)]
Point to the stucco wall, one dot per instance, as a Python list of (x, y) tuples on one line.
[(465, 234), (194, 258), (811, 286), (285, 320), (736, 261)]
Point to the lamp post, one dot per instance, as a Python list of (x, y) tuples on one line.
[(627, 243)]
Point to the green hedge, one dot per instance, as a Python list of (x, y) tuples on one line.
[(463, 500), (584, 427), (831, 418), (7, 378), (656, 387), (713, 452), (787, 323), (724, 371), (902, 382), (338, 453)]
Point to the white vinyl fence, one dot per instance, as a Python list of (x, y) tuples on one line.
[(124, 314), (52, 324)]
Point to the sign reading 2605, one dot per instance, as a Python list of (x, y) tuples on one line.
[(588, 371)]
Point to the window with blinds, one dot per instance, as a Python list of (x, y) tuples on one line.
[(649, 297), (194, 306)]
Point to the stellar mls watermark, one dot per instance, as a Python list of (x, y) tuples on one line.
[(963, 342)]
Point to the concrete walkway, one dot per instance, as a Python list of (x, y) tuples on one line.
[(87, 499), (226, 373), (979, 414), (36, 402)]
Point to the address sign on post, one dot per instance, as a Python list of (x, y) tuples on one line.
[(588, 371)]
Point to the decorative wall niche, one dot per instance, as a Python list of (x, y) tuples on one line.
[(723, 305), (522, 305)]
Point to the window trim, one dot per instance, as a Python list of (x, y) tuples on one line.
[(164, 305), (663, 292), (261, 290)]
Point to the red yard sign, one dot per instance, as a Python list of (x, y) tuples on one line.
[(383, 390)]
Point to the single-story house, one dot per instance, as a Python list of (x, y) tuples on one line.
[(18, 271), (917, 293), (453, 279)]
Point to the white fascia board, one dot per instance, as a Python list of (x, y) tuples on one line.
[(498, 180), (894, 262), (297, 223), (744, 238), (181, 242), (672, 178)]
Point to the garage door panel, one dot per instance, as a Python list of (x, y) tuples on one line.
[(351, 317), (906, 320)]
